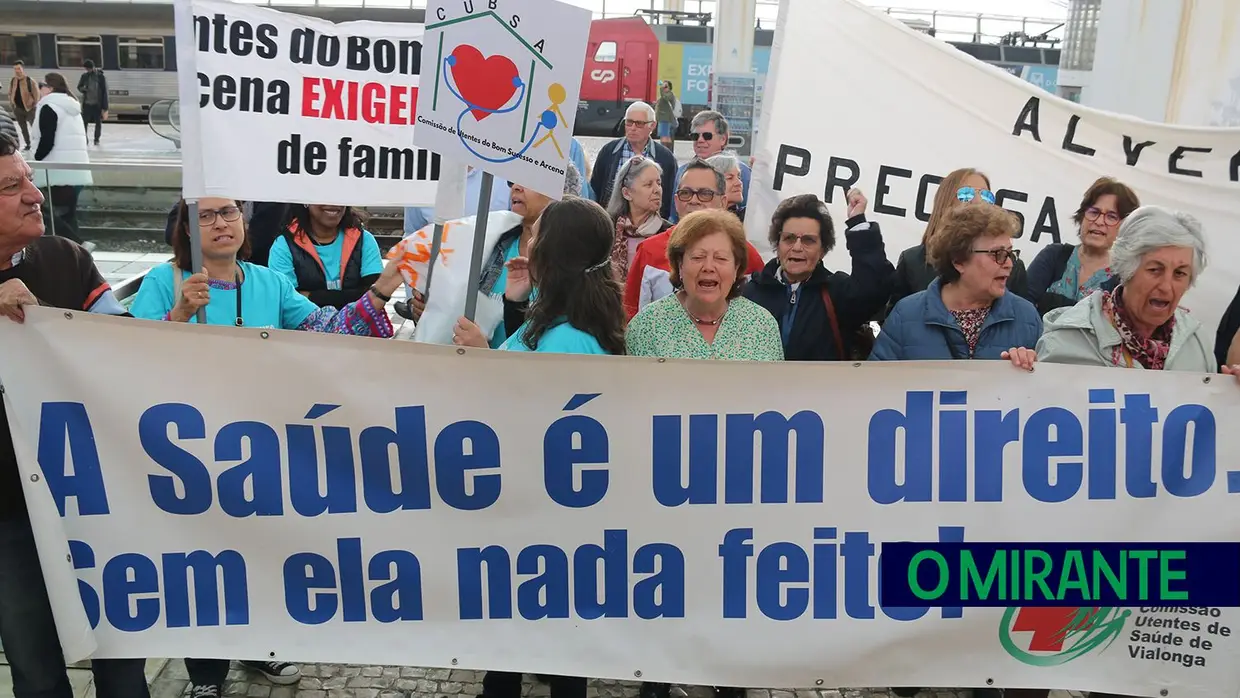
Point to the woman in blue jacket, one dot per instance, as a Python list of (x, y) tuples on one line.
[(967, 312)]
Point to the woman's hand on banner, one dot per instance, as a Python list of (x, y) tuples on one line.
[(13, 295), (468, 334), (1233, 371), (518, 286), (1021, 358), (857, 202), (195, 294)]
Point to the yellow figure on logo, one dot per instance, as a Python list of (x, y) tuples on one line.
[(552, 116)]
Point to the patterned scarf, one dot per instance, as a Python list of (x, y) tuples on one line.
[(1151, 352), (625, 231)]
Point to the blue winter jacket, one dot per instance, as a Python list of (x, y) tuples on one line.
[(920, 328)]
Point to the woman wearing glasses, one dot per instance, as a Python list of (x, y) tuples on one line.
[(960, 188), (1063, 274), (236, 292), (967, 312)]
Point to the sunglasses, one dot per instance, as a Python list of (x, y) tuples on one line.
[(703, 136), (703, 195), (1001, 255), (967, 194)]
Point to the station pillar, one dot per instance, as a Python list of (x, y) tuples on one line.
[(674, 5), (733, 44)]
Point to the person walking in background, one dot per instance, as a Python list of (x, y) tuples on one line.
[(23, 100), (93, 87), (667, 112), (60, 137)]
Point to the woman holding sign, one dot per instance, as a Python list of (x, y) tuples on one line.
[(235, 292), (1158, 255), (968, 312)]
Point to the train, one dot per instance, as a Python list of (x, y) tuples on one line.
[(626, 58)]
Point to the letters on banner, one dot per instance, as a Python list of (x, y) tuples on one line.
[(596, 516), (925, 108), (277, 106)]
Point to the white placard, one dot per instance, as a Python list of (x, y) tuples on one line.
[(920, 108), (507, 75), (277, 106)]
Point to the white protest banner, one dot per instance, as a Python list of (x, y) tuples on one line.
[(605, 516), (507, 76), (277, 106), (922, 108)]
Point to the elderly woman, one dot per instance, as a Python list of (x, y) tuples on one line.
[(636, 198), (236, 292), (962, 187), (327, 254), (822, 315), (1157, 257), (1063, 274), (705, 317), (967, 313), (729, 166)]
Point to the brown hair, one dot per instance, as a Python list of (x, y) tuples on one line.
[(1125, 198), (945, 199), (56, 81), (700, 224), (959, 231), (181, 257)]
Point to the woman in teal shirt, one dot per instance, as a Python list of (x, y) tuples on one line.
[(327, 254), (235, 292), (576, 307)]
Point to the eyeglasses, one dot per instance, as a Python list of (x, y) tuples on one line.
[(703, 195), (791, 239), (967, 194), (704, 136), (635, 123), (1110, 217), (1001, 255), (207, 216)]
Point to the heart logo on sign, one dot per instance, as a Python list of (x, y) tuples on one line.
[(484, 82)]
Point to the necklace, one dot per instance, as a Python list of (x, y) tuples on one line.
[(696, 319)]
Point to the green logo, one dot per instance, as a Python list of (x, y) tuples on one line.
[(1051, 636)]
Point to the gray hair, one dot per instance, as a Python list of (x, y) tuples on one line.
[(629, 172), (643, 106), (724, 163), (700, 164), (721, 124), (572, 180), (1153, 227)]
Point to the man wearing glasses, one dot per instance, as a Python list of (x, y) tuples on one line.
[(638, 126), (709, 132)]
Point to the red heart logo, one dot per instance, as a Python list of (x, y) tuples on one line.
[(483, 82)]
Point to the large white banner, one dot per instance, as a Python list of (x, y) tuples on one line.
[(615, 517), (277, 106), (892, 111)]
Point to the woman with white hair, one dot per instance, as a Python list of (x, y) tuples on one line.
[(1157, 256), (729, 166), (636, 197)]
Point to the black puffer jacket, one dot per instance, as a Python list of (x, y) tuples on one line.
[(1227, 329), (913, 273), (856, 297)]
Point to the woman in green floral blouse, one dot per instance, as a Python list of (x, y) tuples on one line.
[(706, 318)]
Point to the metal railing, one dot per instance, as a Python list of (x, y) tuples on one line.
[(165, 120), (58, 210)]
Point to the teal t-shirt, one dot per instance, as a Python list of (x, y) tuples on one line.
[(501, 284), (281, 258), (268, 300), (561, 339)]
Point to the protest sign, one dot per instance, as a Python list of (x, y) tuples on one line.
[(281, 107), (924, 108), (614, 517), (507, 76)]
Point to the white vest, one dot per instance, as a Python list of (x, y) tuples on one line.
[(71, 144)]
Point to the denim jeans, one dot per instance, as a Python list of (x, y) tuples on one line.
[(28, 630)]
